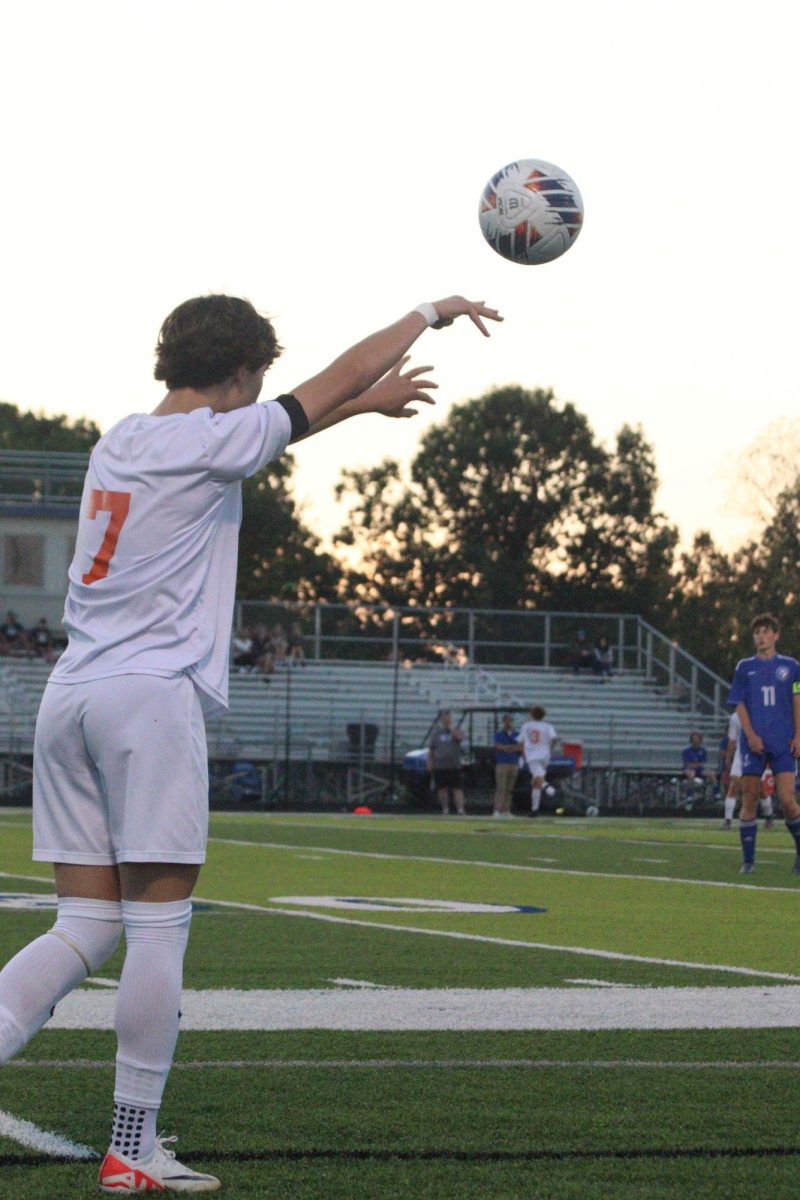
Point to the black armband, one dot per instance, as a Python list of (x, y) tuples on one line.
[(297, 416)]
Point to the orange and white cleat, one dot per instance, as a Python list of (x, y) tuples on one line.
[(159, 1172)]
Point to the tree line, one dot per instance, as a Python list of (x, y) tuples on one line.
[(510, 502)]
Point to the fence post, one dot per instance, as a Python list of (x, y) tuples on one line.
[(546, 640), (672, 668), (694, 687), (317, 631), (395, 637), (638, 643), (717, 699), (471, 634), (620, 643), (648, 659)]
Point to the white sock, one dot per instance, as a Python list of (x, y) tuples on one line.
[(766, 806), (536, 799), (146, 1018), (84, 936), (730, 806)]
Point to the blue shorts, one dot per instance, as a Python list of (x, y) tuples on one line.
[(756, 764)]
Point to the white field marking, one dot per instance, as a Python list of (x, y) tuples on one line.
[(386, 927), (499, 866), (604, 983), (30, 1135), (357, 983), (539, 858), (402, 904), (393, 1009), (313, 857), (108, 983), (427, 1064), (30, 878), (651, 860)]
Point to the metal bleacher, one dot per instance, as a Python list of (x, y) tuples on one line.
[(303, 712)]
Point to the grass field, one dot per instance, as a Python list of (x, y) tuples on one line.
[(450, 1008)]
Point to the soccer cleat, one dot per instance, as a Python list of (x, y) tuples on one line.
[(725, 825), (159, 1172), (747, 869), (796, 867), (769, 823)]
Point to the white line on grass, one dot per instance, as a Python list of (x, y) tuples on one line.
[(510, 1008), (357, 983), (385, 1064), (501, 866), (603, 983), (590, 952), (30, 878), (30, 1135)]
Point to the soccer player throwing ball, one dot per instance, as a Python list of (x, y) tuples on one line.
[(766, 692), (120, 800)]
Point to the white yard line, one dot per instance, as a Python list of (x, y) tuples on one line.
[(30, 878), (428, 1064), (500, 866), (357, 983), (41, 1140), (386, 927), (401, 1009)]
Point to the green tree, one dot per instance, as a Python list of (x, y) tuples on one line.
[(34, 431), (279, 557), (512, 502)]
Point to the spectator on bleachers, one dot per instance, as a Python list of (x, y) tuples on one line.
[(695, 763), (13, 638), (581, 654), (41, 641), (604, 656), (297, 646), (280, 644), (263, 650), (242, 651), (444, 762)]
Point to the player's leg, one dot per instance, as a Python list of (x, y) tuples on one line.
[(731, 799), (69, 821), (86, 933), (147, 737), (458, 791), (537, 783), (787, 798), (748, 822)]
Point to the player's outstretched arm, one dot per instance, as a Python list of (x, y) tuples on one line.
[(355, 371), (391, 396)]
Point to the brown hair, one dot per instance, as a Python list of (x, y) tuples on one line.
[(538, 713), (204, 340), (765, 620)]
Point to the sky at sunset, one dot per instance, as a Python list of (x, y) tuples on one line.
[(326, 161)]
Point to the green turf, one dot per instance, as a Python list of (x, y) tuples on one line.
[(498, 1132)]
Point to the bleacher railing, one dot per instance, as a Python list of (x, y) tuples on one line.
[(491, 636)]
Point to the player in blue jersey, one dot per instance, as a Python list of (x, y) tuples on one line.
[(766, 693)]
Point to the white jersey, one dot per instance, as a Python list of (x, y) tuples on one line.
[(152, 584), (537, 737)]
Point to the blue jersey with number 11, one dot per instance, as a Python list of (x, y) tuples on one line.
[(766, 687)]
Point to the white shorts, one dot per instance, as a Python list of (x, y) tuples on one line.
[(537, 767), (120, 772)]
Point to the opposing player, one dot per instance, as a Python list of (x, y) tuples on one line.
[(766, 693), (538, 738), (120, 764), (732, 769)]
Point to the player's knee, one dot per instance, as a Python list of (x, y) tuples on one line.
[(92, 928)]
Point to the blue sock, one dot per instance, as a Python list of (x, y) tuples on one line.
[(794, 829), (747, 832)]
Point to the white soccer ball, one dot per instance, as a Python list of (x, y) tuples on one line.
[(531, 211), (592, 810)]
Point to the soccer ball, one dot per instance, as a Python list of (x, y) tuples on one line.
[(531, 211)]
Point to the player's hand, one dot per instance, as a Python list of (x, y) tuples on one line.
[(398, 389), (457, 306), (794, 747), (756, 744)]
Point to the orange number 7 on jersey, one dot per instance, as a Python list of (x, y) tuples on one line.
[(117, 503)]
